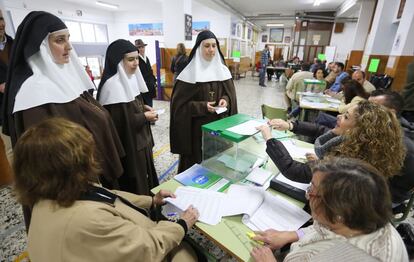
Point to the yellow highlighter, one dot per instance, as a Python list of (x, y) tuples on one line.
[(251, 235)]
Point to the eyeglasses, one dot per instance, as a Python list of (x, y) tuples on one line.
[(309, 193)]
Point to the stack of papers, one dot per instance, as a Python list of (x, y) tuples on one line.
[(247, 128), (286, 180), (208, 203), (200, 177), (261, 209), (259, 176), (295, 151)]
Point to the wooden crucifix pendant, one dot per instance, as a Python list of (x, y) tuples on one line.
[(211, 94)]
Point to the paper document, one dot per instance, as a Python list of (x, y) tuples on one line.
[(241, 164), (262, 210), (276, 213), (208, 203), (286, 180), (295, 151), (247, 128), (220, 109), (199, 176), (259, 176), (160, 111)]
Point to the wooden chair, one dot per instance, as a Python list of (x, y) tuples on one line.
[(273, 112)]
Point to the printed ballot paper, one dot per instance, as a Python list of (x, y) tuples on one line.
[(261, 210), (247, 128)]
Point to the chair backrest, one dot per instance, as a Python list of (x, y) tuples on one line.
[(406, 210), (273, 112)]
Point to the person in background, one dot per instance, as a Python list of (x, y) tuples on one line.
[(359, 76), (338, 69), (146, 71), (317, 63), (74, 217), (350, 205), (367, 131), (330, 78), (284, 79), (296, 84), (45, 80), (408, 94), (204, 86), (120, 92), (179, 61), (264, 60), (318, 74), (6, 155), (353, 94), (400, 185)]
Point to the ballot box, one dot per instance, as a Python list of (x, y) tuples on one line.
[(233, 153)]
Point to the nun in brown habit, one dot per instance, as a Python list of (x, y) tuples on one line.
[(120, 92), (45, 80), (204, 83)]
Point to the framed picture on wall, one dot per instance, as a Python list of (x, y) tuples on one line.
[(276, 35), (287, 39), (264, 38)]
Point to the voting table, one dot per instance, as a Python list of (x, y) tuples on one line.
[(316, 102), (231, 234)]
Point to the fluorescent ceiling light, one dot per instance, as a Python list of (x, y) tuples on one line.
[(317, 3), (269, 25), (107, 5)]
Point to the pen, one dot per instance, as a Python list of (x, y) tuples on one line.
[(172, 214)]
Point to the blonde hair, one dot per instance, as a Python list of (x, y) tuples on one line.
[(376, 138)]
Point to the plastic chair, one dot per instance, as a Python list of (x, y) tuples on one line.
[(273, 112), (405, 210)]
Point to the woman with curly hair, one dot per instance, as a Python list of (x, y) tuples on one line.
[(366, 131)]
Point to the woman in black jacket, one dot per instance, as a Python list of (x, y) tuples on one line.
[(366, 131), (179, 61)]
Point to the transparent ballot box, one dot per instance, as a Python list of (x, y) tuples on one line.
[(229, 154)]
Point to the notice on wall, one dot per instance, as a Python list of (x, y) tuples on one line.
[(316, 39), (391, 62)]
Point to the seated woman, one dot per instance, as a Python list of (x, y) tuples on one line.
[(353, 93), (74, 218), (366, 131), (318, 74), (350, 205)]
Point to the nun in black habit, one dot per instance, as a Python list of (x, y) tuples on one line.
[(120, 92), (205, 83), (47, 80)]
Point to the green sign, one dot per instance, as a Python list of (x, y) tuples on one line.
[(373, 65), (236, 54), (321, 57)]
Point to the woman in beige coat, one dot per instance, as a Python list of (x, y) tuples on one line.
[(74, 218)]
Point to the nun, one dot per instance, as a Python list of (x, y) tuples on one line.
[(46, 80), (203, 85), (120, 92)]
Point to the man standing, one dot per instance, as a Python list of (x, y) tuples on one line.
[(264, 60), (146, 71), (5, 143), (341, 74), (359, 76)]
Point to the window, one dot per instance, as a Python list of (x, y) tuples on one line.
[(87, 32)]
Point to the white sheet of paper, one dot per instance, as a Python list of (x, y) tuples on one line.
[(242, 199), (259, 176), (160, 111), (247, 128), (276, 213), (296, 151), (286, 180), (220, 109), (207, 202)]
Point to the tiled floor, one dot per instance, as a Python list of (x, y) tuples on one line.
[(250, 96)]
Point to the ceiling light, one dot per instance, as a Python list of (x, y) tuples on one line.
[(270, 25), (317, 3), (107, 5)]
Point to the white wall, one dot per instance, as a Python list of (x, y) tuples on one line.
[(343, 41)]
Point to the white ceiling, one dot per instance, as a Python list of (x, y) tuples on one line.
[(256, 7)]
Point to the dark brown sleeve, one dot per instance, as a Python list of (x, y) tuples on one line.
[(198, 108)]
